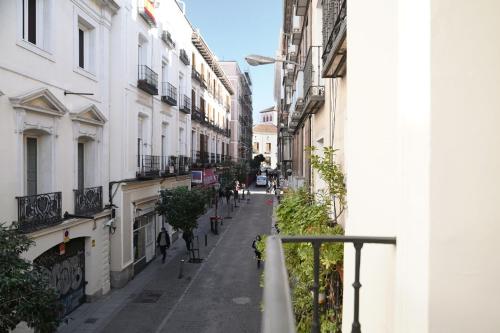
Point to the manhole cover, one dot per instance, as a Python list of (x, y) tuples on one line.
[(91, 320), (241, 300), (148, 296)]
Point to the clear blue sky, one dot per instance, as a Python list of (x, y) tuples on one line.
[(236, 28)]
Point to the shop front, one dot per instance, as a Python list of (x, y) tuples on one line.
[(144, 240)]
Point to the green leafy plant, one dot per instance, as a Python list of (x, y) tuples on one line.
[(300, 213), (25, 292), (182, 207), (331, 173)]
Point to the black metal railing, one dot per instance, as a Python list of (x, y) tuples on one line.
[(168, 166), (147, 80), (184, 165), (314, 88), (204, 157), (148, 166), (212, 157), (196, 76), (186, 104), (197, 115), (88, 201), (167, 38), (334, 31), (169, 94), (184, 57), (35, 212), (278, 315)]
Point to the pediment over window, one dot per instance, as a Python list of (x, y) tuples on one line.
[(39, 100), (90, 115)]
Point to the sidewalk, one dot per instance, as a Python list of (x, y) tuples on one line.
[(160, 280)]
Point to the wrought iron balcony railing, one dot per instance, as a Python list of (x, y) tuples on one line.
[(148, 166), (334, 38), (169, 94), (184, 57), (196, 115), (88, 201), (147, 80), (186, 105), (184, 165), (212, 157), (217, 158), (35, 212), (278, 314), (167, 38), (204, 157), (314, 88), (196, 76)]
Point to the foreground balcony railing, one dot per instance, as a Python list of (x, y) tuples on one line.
[(278, 314), (334, 37), (147, 80), (35, 212), (184, 165), (169, 94), (88, 201)]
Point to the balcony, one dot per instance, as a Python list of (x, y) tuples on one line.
[(212, 158), (35, 212), (148, 166), (278, 314), (196, 76), (184, 165), (217, 158), (301, 7), (186, 105), (147, 80), (184, 57), (334, 38), (167, 38), (204, 158), (197, 115), (169, 94), (314, 89), (88, 201)]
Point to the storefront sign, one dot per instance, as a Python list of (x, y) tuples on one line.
[(197, 177)]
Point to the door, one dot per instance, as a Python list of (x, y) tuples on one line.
[(31, 166), (150, 237), (64, 266)]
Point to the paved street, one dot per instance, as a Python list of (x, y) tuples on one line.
[(220, 295)]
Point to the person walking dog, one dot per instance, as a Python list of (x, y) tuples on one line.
[(163, 242)]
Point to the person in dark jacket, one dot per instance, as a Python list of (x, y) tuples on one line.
[(258, 254), (188, 238), (163, 242)]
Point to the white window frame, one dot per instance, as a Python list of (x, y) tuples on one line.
[(44, 21), (90, 29)]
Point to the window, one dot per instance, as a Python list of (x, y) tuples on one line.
[(86, 46), (31, 166), (81, 165), (35, 22), (255, 147), (268, 148)]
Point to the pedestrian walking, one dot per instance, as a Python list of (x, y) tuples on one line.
[(258, 254), (163, 241), (188, 238)]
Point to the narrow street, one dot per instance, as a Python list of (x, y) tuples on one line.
[(222, 294)]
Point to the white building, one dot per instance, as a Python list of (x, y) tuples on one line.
[(265, 136), (150, 125), (55, 142)]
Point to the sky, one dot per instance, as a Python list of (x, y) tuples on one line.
[(234, 29)]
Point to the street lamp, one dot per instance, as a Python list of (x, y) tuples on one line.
[(257, 60)]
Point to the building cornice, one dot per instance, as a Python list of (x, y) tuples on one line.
[(209, 57)]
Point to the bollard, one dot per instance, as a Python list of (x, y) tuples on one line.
[(206, 240), (181, 268)]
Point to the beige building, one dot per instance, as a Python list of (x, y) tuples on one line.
[(416, 125)]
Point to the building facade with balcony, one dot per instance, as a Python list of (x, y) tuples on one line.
[(312, 93), (150, 125), (403, 113), (210, 107), (241, 120), (56, 139), (264, 142)]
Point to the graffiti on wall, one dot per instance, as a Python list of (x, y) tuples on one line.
[(66, 272)]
